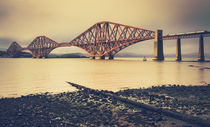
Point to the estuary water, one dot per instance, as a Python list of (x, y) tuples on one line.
[(22, 76)]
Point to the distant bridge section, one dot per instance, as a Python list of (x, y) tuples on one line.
[(14, 49), (186, 35), (41, 46), (179, 36)]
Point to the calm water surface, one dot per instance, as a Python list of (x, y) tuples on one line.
[(28, 76)]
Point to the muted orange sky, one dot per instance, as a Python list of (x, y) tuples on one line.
[(63, 20)]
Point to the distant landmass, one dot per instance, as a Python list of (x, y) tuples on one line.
[(3, 54), (129, 55), (68, 55), (2, 49)]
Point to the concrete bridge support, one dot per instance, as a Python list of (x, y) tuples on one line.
[(92, 57), (158, 46), (201, 56), (111, 57), (178, 50), (102, 57)]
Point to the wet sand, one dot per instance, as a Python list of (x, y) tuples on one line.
[(85, 108)]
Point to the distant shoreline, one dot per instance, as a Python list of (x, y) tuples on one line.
[(3, 54)]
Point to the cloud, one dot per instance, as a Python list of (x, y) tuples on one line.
[(5, 42), (4, 11), (23, 20), (196, 14)]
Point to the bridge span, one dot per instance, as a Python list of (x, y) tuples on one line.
[(105, 39)]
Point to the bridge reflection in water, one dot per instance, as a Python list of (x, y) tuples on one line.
[(105, 39)]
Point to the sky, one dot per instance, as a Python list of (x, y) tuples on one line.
[(63, 20)]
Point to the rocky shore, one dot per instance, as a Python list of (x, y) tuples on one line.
[(86, 108), (190, 100)]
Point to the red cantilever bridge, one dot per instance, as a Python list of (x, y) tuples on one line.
[(105, 39)]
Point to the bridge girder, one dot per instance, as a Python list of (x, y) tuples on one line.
[(14, 49), (101, 39), (108, 38), (41, 46)]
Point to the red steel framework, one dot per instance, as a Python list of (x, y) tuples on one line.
[(102, 39), (41, 46), (14, 49)]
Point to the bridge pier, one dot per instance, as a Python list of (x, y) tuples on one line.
[(158, 46), (102, 57), (34, 55), (111, 57), (178, 50), (92, 57), (201, 56)]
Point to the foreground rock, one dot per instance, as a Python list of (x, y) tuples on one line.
[(81, 108), (190, 100)]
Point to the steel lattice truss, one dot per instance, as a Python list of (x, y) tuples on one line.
[(107, 38), (14, 49), (102, 39), (41, 46)]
